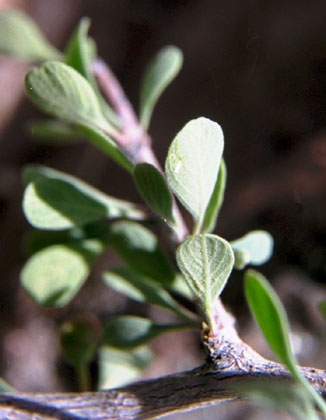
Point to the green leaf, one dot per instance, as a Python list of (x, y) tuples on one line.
[(53, 132), (20, 36), (254, 248), (103, 142), (279, 396), (193, 163), (79, 340), (120, 367), (139, 248), (55, 200), (62, 92), (322, 308), (216, 200), (127, 332), (270, 316), (141, 289), (159, 74), (154, 190), (206, 262), (5, 387), (272, 320), (80, 53), (53, 276)]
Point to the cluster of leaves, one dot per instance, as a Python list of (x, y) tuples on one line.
[(76, 223)]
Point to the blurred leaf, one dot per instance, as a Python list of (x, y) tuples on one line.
[(279, 396), (54, 275), (20, 36), (272, 320), (35, 240), (127, 332), (154, 190), (159, 74), (55, 200), (53, 132), (216, 200), (322, 308), (62, 92), (254, 248), (139, 248), (5, 387), (103, 142), (141, 289), (80, 53), (120, 367), (206, 262), (79, 340), (192, 165)]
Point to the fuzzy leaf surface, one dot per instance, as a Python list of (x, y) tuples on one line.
[(154, 190), (55, 200), (206, 262), (62, 92), (21, 37), (159, 74), (254, 248), (193, 163)]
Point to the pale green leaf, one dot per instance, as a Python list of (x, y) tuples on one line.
[(53, 132), (5, 387), (62, 92), (216, 200), (139, 248), (141, 289), (103, 142), (159, 74), (280, 396), (21, 37), (55, 200), (120, 367), (127, 332), (154, 190), (254, 248), (322, 308), (54, 275), (206, 262), (193, 163), (80, 54)]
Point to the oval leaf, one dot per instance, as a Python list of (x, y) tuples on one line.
[(192, 165), (270, 316), (61, 91), (55, 200), (254, 248), (20, 36), (154, 190), (53, 132), (127, 332), (206, 262), (158, 75), (53, 276), (216, 200)]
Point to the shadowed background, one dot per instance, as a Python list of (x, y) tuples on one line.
[(259, 70)]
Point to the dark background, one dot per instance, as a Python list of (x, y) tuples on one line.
[(257, 68)]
